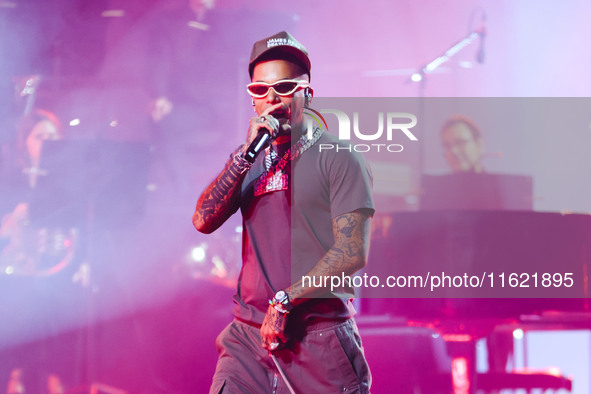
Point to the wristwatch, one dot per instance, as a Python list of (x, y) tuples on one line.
[(281, 299)]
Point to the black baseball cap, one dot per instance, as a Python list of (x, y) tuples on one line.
[(282, 45)]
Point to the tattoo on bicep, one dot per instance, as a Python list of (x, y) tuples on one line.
[(349, 243), (346, 224)]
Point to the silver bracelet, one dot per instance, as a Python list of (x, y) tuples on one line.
[(242, 164)]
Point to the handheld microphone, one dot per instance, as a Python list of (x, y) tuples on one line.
[(261, 141)]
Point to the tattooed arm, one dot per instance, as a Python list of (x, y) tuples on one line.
[(221, 198), (347, 256)]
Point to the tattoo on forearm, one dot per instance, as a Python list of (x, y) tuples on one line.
[(215, 202)]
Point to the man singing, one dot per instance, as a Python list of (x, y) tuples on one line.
[(305, 212)]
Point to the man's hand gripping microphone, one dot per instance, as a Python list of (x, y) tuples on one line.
[(267, 129)]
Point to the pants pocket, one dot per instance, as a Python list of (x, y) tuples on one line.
[(352, 351)]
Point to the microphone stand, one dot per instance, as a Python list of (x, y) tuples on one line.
[(448, 54)]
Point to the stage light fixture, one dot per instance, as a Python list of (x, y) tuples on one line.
[(518, 333)]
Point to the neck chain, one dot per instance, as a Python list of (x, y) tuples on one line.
[(274, 179), (294, 151)]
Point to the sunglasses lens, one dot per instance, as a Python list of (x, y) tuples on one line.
[(285, 87), (282, 88), (258, 90)]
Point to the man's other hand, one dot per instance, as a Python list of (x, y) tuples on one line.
[(272, 330)]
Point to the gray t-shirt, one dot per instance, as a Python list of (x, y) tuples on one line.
[(285, 233)]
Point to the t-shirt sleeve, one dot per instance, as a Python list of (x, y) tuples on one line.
[(350, 183)]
